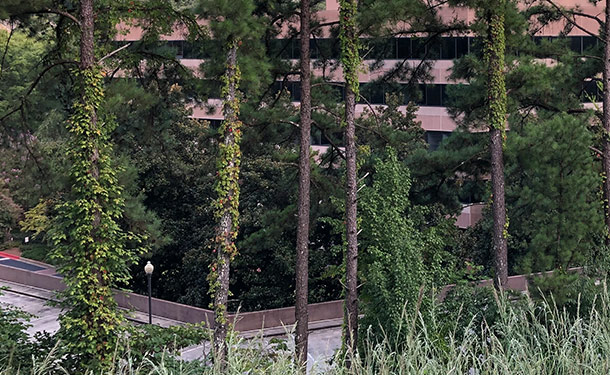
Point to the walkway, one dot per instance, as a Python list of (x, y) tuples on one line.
[(323, 342)]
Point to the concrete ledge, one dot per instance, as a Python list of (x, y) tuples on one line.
[(249, 321), (257, 320)]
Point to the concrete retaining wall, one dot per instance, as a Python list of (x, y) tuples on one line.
[(248, 321), (183, 313)]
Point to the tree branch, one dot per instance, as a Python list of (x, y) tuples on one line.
[(573, 22), (8, 40), (113, 52), (58, 12), (33, 86)]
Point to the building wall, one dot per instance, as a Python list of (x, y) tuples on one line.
[(433, 118)]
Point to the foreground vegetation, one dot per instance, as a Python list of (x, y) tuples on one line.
[(516, 336)]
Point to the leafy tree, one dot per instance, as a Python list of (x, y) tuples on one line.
[(89, 242), (392, 265), (401, 262)]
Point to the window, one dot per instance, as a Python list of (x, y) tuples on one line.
[(434, 139), (462, 46), (434, 95), (448, 48), (177, 46), (588, 42), (576, 44), (403, 48), (372, 93), (418, 48)]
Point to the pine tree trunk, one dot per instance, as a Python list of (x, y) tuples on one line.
[(87, 61), (87, 57), (351, 264), (496, 93), (606, 122), (302, 266), (350, 61), (227, 204)]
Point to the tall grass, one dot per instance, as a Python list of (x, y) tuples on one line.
[(528, 338)]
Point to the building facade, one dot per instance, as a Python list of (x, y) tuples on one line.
[(432, 99)]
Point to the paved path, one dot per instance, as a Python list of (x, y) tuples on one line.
[(323, 342)]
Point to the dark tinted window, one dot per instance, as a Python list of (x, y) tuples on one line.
[(433, 48), (374, 93), (461, 46), (448, 48), (403, 48), (434, 139), (418, 48), (588, 42), (434, 95), (576, 44), (590, 92), (177, 47)]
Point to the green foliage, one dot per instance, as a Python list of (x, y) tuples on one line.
[(553, 194), (568, 291), (37, 219), (398, 261), (88, 242), (15, 346), (466, 307), (153, 341), (531, 338), (350, 44), (10, 214)]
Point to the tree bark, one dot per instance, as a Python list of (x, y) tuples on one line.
[(302, 246), (87, 61), (351, 263), (87, 56), (606, 123), (225, 233), (496, 92), (350, 61)]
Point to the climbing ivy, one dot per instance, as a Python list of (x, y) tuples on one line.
[(350, 46), (494, 58), (88, 241), (227, 180)]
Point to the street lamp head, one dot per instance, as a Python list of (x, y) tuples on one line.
[(149, 268)]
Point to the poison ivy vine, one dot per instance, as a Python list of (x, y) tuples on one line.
[(88, 241)]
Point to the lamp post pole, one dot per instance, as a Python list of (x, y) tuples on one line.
[(148, 269)]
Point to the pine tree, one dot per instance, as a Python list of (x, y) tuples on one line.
[(496, 96), (350, 61), (302, 267), (553, 194)]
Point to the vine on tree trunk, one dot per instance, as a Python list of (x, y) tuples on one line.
[(227, 204), (88, 242)]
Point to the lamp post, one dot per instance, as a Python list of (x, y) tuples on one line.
[(148, 268)]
